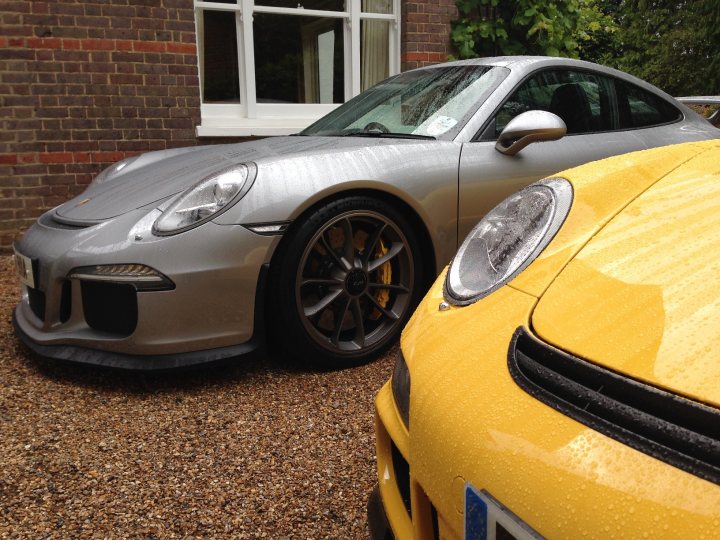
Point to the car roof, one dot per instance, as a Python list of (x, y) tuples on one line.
[(522, 65), (526, 62)]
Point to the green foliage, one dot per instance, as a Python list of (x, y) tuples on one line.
[(598, 31), (673, 44), (491, 27)]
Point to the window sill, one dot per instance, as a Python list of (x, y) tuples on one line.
[(259, 127)]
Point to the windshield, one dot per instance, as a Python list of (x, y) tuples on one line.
[(431, 103)]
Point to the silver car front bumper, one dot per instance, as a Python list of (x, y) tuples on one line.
[(210, 314)]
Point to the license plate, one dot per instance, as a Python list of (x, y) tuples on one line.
[(24, 267), (488, 519)]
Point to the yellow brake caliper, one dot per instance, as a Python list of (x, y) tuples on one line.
[(384, 272)]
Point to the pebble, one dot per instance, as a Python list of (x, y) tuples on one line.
[(261, 449)]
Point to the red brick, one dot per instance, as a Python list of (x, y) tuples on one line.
[(107, 157), (97, 44), (56, 157), (71, 44), (9, 159), (123, 45), (43, 43), (183, 48), (149, 46)]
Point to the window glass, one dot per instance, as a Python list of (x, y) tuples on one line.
[(327, 5), (219, 59), (582, 99), (298, 59), (377, 6), (434, 102), (375, 53), (639, 108)]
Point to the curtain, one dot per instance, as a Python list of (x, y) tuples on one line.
[(374, 44)]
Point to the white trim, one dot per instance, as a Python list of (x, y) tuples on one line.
[(301, 12), (247, 56), (378, 16), (395, 40), (215, 6), (259, 127), (223, 120), (355, 46)]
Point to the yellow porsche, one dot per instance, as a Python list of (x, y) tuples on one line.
[(561, 379)]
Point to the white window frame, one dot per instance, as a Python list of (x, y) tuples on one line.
[(248, 117)]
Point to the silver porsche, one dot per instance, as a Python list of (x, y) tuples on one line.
[(322, 243)]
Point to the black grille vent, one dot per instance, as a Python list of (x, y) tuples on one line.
[(402, 477), (65, 301), (110, 307), (36, 299), (673, 429)]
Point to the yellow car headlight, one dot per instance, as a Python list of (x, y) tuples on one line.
[(507, 240)]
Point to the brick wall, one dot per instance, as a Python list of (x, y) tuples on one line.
[(425, 32), (84, 83)]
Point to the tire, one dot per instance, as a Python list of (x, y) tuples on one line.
[(344, 282)]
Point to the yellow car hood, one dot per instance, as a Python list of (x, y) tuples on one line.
[(642, 297)]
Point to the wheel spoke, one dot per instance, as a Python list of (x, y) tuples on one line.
[(340, 262), (339, 323), (359, 325), (388, 314), (390, 286), (348, 244), (321, 281), (371, 243), (396, 248), (323, 303)]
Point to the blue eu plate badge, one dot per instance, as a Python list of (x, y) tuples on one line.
[(488, 519)]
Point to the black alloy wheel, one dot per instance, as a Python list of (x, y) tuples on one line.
[(354, 267)]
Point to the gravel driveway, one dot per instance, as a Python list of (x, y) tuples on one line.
[(259, 450)]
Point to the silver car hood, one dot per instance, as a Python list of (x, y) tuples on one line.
[(156, 176)]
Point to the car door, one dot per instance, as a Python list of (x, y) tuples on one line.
[(585, 100)]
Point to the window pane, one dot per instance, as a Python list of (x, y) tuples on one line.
[(327, 5), (377, 6), (219, 67), (434, 102), (581, 99), (639, 108), (298, 59), (374, 53)]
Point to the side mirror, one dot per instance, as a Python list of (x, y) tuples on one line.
[(529, 127)]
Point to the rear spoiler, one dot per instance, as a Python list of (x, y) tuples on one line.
[(714, 118)]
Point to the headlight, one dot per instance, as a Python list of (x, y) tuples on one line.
[(400, 384), (507, 240), (204, 200)]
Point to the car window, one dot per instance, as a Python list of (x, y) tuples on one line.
[(434, 102), (582, 99), (640, 108)]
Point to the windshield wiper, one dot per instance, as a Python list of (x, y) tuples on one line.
[(389, 135)]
